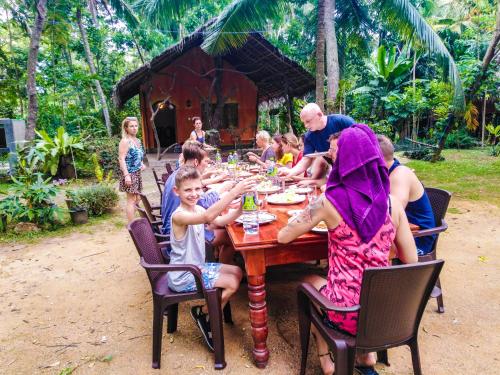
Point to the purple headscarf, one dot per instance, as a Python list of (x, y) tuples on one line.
[(358, 185)]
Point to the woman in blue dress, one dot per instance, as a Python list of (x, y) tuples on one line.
[(197, 134), (130, 155)]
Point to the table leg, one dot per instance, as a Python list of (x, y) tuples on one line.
[(256, 269)]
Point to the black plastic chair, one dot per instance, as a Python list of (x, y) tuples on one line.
[(392, 302), (440, 200), (166, 300)]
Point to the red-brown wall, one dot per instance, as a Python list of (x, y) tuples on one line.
[(187, 70)]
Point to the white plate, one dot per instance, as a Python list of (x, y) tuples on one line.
[(270, 189), (320, 229), (300, 189), (279, 199), (264, 217), (244, 174), (316, 154)]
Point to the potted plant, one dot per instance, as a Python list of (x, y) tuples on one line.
[(77, 207)]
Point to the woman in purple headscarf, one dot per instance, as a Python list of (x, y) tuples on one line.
[(363, 224)]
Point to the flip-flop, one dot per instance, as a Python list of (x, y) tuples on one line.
[(365, 370)]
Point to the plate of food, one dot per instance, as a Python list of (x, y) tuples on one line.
[(320, 228), (286, 198), (316, 154), (299, 189), (264, 217), (267, 187), (254, 168)]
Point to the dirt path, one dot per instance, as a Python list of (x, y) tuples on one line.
[(83, 300)]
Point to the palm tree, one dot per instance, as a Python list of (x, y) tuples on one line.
[(228, 30)]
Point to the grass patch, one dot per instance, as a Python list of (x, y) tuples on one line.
[(66, 228), (468, 174)]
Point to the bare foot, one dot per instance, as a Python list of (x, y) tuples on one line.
[(327, 364)]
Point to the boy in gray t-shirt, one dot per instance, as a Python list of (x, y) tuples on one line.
[(187, 241)]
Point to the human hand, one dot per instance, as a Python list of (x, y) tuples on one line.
[(244, 185), (128, 180), (252, 158), (143, 167), (226, 186), (284, 172)]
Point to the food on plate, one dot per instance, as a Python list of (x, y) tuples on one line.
[(286, 198), (266, 186), (321, 225)]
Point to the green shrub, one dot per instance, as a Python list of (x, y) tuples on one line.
[(10, 208), (37, 196), (97, 199), (421, 154), (460, 139), (106, 149)]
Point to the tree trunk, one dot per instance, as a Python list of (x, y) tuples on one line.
[(219, 97), (414, 134), (489, 55), (36, 33), (90, 61), (483, 120), (93, 11), (332, 54), (320, 55)]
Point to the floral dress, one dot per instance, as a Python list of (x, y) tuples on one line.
[(348, 257)]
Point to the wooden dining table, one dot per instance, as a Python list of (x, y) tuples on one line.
[(262, 250)]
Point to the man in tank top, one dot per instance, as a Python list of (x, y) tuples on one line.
[(406, 186)]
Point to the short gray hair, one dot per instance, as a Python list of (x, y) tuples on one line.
[(264, 135)]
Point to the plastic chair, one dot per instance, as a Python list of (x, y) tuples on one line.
[(392, 302), (159, 183), (440, 200), (166, 300)]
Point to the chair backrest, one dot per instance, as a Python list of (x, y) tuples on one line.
[(146, 245), (159, 182), (439, 202), (168, 167), (392, 301), (147, 207)]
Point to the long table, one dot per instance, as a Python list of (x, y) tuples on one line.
[(262, 250)]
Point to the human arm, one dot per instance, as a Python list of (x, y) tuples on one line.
[(122, 154), (308, 219), (301, 166), (192, 136), (400, 185), (183, 218), (228, 218), (404, 242)]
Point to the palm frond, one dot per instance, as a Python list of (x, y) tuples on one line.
[(160, 13), (230, 29), (402, 17), (124, 12), (353, 25)]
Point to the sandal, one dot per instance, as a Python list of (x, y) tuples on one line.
[(330, 354), (365, 370)]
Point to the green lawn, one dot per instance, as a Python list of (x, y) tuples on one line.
[(468, 174)]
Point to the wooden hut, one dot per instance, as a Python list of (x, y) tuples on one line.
[(184, 82)]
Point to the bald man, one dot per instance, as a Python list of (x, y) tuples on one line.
[(319, 129)]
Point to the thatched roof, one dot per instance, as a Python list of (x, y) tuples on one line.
[(258, 59)]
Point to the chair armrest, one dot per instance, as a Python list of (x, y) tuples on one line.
[(431, 231), (160, 237), (324, 303), (165, 268)]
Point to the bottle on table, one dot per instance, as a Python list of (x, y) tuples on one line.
[(250, 213), (218, 159)]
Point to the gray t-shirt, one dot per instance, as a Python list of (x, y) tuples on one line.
[(190, 249), (268, 154)]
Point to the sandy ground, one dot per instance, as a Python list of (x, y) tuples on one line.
[(83, 300)]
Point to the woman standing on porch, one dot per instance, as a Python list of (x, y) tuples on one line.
[(197, 134), (130, 154)]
